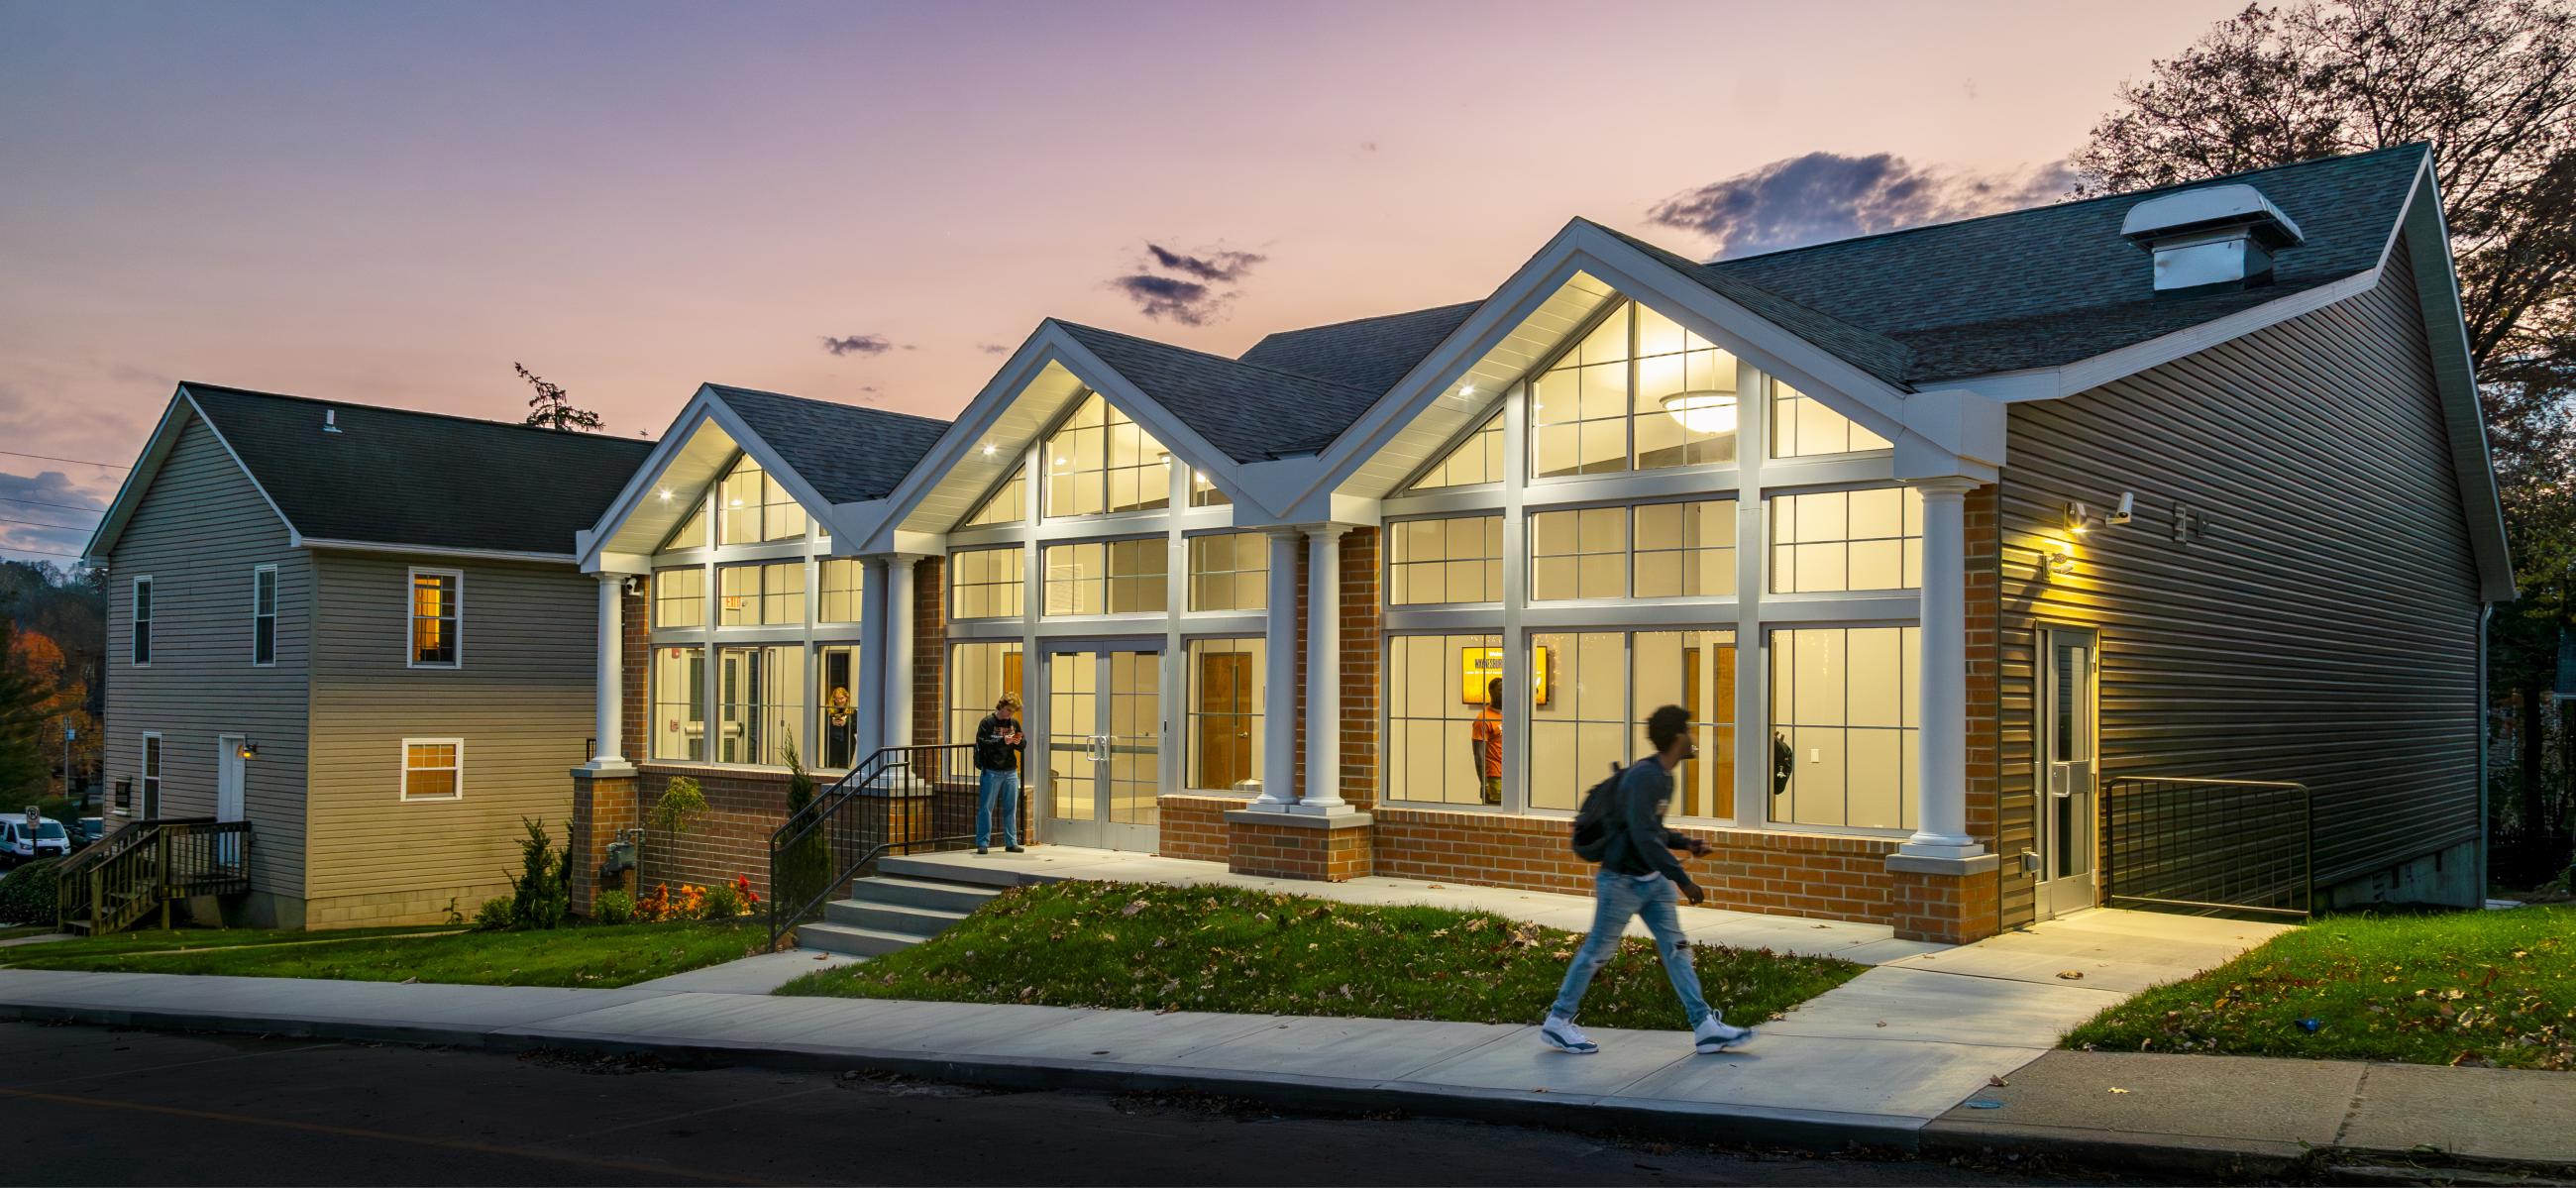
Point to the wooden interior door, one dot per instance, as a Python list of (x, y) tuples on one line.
[(1691, 771), (1224, 714)]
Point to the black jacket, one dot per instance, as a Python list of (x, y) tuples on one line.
[(1644, 846), (991, 752)]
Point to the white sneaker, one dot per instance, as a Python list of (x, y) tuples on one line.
[(1716, 1035), (1564, 1036)]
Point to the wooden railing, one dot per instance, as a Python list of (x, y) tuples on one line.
[(149, 865)]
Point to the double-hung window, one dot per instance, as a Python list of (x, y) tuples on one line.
[(437, 614), (433, 769), (151, 774), (263, 615), (142, 621)]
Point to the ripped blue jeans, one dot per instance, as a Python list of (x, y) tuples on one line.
[(1616, 899)]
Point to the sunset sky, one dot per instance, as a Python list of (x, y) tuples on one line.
[(392, 203)]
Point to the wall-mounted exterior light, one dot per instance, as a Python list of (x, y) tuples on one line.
[(250, 748)]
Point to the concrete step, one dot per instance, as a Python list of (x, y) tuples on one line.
[(890, 917), (852, 941), (921, 893), (933, 870)]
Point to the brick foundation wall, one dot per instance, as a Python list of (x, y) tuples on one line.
[(1786, 874), (1362, 659), (602, 809), (743, 809), (929, 650), (1298, 851), (1193, 827)]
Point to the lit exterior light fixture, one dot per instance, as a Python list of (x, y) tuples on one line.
[(990, 449), (1708, 411), (250, 748), (666, 494)]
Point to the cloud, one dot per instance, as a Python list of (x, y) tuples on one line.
[(1208, 264), (1822, 197), (993, 348), (1192, 296), (858, 344), (45, 501)]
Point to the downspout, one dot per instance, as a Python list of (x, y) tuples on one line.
[(2486, 835)]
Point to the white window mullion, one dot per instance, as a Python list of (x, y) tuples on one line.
[(1752, 648)]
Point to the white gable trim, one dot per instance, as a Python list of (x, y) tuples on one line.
[(147, 466), (1962, 427), (706, 406), (1049, 343)]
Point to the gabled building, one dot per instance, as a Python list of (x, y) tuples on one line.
[(1946, 537), (361, 630)]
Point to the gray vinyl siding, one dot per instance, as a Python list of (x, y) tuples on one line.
[(2323, 628), (522, 703), (199, 531)]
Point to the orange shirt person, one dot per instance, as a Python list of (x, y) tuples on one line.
[(1485, 743)]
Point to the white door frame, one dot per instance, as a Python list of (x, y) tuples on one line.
[(2068, 784), (232, 778), (1098, 832)]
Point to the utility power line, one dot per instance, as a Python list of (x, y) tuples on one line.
[(73, 461)]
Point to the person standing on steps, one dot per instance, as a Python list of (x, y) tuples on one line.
[(1640, 878), (998, 747), (1485, 744)]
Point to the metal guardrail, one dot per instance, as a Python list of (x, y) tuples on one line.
[(147, 865), (2209, 845), (901, 800)]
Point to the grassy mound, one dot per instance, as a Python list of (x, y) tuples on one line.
[(1245, 952)]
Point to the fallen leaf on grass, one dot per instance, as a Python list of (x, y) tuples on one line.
[(2118, 1090), (1997, 1082), (2070, 974)]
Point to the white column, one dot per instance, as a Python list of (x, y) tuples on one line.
[(1941, 798), (872, 655), (1279, 679), (1323, 712), (898, 650), (607, 751)]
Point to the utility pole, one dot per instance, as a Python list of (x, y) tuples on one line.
[(68, 734)]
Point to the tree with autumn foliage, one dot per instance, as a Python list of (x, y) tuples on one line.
[(2491, 85)]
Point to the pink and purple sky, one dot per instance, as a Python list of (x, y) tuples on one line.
[(391, 204)]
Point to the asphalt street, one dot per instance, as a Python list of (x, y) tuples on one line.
[(95, 1105)]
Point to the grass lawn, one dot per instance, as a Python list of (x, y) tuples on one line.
[(2470, 987), (1245, 952), (13, 931), (586, 956)]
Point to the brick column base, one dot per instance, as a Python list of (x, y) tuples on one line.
[(1298, 846), (603, 807), (1945, 900)]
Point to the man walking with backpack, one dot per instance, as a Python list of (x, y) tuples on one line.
[(1621, 827)]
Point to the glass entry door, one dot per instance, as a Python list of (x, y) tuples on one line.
[(2070, 772), (1104, 757)]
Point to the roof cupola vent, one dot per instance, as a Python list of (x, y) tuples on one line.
[(2210, 235), (330, 420)]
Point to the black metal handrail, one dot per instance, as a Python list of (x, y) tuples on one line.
[(2209, 845), (900, 800)]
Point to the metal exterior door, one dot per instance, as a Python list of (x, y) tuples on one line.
[(1104, 748), (2070, 772)]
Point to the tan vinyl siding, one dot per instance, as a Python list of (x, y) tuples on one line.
[(200, 529), (2322, 629), (521, 701)]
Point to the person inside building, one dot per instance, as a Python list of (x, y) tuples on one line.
[(1485, 744)]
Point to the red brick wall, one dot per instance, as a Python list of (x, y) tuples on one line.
[(602, 810), (1298, 851), (1985, 664), (1362, 657), (1193, 827), (636, 659), (929, 649), (1943, 908), (743, 809), (1789, 874)]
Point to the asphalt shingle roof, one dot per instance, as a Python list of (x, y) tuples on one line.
[(1370, 353), (848, 452), (397, 477), (1249, 411)]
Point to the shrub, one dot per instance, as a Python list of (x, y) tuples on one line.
[(541, 895), (612, 907), (494, 916), (681, 804), (805, 870), (27, 893), (724, 902)]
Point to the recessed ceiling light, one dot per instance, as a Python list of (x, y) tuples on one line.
[(1466, 389), (666, 494), (990, 449)]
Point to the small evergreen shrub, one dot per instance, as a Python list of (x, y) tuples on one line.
[(541, 895), (805, 870), (494, 915), (612, 907), (27, 894)]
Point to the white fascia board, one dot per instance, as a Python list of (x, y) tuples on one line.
[(301, 541), (674, 439), (705, 407), (138, 478), (1049, 343), (1582, 247)]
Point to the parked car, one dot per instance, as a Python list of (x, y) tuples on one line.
[(23, 842), (87, 831)]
